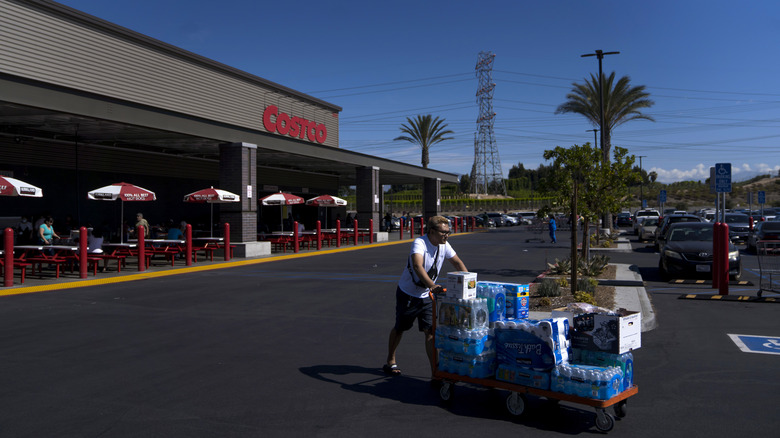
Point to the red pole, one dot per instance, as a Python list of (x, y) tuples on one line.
[(296, 246), (83, 252), (226, 238), (188, 244), (8, 257), (750, 222), (715, 258), (422, 226), (338, 233), (401, 229), (724, 260), (141, 248), (355, 232), (370, 231), (319, 236), (411, 227)]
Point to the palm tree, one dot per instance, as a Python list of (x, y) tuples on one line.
[(425, 131), (621, 104)]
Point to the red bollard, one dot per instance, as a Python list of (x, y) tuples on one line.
[(319, 236), (8, 257), (355, 232), (401, 229), (226, 238), (188, 244), (715, 258), (141, 248), (83, 263), (370, 231), (723, 288), (411, 228), (296, 242), (750, 223), (422, 226), (338, 233)]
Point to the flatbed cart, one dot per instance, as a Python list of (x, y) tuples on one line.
[(516, 400)]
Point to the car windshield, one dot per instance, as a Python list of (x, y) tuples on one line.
[(679, 234), (737, 219)]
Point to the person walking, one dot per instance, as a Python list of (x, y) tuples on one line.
[(418, 280), (553, 227)]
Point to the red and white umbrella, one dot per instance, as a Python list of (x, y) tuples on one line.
[(124, 192), (281, 199), (14, 187), (327, 201), (212, 196)]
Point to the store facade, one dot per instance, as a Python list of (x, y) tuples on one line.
[(85, 103)]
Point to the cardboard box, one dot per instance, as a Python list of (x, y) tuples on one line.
[(462, 285), (600, 332)]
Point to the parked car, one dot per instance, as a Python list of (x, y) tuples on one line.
[(647, 229), (510, 221), (769, 230), (498, 218), (528, 217), (640, 215), (739, 226), (666, 222), (688, 252), (624, 219)]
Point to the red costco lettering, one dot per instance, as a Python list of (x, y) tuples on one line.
[(283, 124)]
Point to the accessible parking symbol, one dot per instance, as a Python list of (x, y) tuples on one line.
[(757, 344)]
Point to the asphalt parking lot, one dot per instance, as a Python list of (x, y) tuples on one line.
[(293, 346)]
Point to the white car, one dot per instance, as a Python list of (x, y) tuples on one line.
[(647, 228), (640, 215)]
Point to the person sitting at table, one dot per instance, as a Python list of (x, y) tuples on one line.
[(94, 241), (300, 228), (177, 233)]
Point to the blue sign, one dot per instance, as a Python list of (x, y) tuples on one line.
[(662, 196), (761, 197), (757, 344), (723, 178)]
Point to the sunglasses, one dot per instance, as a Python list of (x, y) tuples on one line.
[(443, 233)]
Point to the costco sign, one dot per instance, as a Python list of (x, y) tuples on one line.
[(281, 123)]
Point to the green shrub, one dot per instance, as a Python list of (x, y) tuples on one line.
[(563, 282), (593, 267), (545, 302), (560, 267), (585, 297), (549, 288), (587, 285)]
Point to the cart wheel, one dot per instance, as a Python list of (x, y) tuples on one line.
[(604, 421), (620, 409), (445, 391), (515, 403)]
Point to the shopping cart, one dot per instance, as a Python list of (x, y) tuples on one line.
[(768, 252)]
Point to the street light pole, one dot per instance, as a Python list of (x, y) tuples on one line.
[(600, 55), (641, 184)]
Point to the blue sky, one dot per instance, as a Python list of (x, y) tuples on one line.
[(712, 68)]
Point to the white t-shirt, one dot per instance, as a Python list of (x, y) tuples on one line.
[(422, 245)]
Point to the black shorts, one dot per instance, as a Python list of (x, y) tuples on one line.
[(409, 308)]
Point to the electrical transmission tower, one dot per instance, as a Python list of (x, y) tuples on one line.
[(486, 175)]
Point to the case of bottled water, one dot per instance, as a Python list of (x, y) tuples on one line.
[(523, 376), (477, 366), (516, 298), (496, 301), (465, 314), (601, 383), (470, 342), (624, 361)]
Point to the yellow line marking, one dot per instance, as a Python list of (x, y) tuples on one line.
[(717, 297), (145, 275)]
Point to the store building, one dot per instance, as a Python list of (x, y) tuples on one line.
[(86, 103)]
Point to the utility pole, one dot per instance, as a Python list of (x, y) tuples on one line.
[(641, 184)]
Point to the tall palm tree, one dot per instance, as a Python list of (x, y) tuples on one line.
[(425, 131), (622, 103)]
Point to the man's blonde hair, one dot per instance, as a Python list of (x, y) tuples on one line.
[(435, 221)]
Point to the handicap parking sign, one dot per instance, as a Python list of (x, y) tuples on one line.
[(757, 344)]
